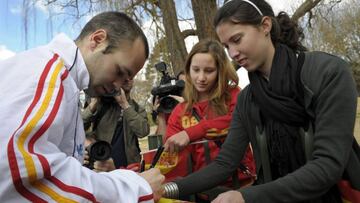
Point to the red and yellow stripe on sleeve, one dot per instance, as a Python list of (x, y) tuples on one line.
[(29, 130)]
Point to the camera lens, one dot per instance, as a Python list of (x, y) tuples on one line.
[(100, 150), (167, 104)]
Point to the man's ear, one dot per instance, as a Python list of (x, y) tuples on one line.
[(98, 39), (266, 25)]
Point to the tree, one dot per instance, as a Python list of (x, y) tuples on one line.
[(204, 11), (304, 8), (169, 39), (175, 40), (343, 40)]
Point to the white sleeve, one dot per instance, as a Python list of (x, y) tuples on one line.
[(116, 186), (37, 169)]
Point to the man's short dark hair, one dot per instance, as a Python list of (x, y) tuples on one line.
[(119, 28)]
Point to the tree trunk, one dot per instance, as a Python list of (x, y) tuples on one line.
[(304, 8), (204, 12), (174, 38)]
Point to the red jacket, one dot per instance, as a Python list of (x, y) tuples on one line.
[(179, 121)]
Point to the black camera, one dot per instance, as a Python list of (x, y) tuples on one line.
[(112, 94), (98, 151), (168, 86)]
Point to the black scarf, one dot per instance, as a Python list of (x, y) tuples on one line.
[(281, 110)]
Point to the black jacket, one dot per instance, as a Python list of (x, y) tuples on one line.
[(330, 100)]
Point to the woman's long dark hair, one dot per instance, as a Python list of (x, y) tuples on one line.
[(284, 30)]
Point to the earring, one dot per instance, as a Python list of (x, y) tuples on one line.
[(266, 34)]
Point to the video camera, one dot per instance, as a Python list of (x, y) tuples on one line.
[(168, 86), (98, 151)]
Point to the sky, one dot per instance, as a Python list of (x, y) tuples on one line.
[(41, 30), (12, 29), (42, 26)]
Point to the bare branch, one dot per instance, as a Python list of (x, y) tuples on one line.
[(304, 8), (188, 32)]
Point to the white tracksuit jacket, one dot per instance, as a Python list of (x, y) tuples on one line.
[(42, 135)]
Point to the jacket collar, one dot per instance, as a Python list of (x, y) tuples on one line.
[(66, 49)]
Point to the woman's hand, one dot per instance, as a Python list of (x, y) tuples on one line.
[(177, 142), (232, 196)]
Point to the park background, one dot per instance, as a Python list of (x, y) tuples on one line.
[(173, 27)]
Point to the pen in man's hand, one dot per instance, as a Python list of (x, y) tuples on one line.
[(142, 166), (157, 156)]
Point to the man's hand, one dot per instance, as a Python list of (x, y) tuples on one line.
[(177, 98), (177, 142), (104, 166), (88, 142), (121, 99), (156, 103), (155, 180), (229, 197), (94, 101), (86, 158)]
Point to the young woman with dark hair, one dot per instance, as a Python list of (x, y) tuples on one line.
[(298, 113)]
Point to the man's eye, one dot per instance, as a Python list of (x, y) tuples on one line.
[(237, 40)]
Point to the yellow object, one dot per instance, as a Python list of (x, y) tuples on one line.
[(166, 163), (163, 169), (165, 200)]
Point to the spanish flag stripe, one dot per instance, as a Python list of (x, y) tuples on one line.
[(29, 163), (71, 189), (47, 173), (146, 198), (19, 186), (14, 168), (43, 161)]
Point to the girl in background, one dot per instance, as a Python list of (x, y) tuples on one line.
[(210, 95)]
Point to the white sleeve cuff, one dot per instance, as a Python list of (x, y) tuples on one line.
[(134, 187)]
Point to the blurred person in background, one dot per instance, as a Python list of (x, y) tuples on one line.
[(120, 121)]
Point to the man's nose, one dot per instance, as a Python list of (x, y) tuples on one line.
[(233, 52)]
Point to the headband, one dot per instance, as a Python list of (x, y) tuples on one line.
[(253, 5)]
